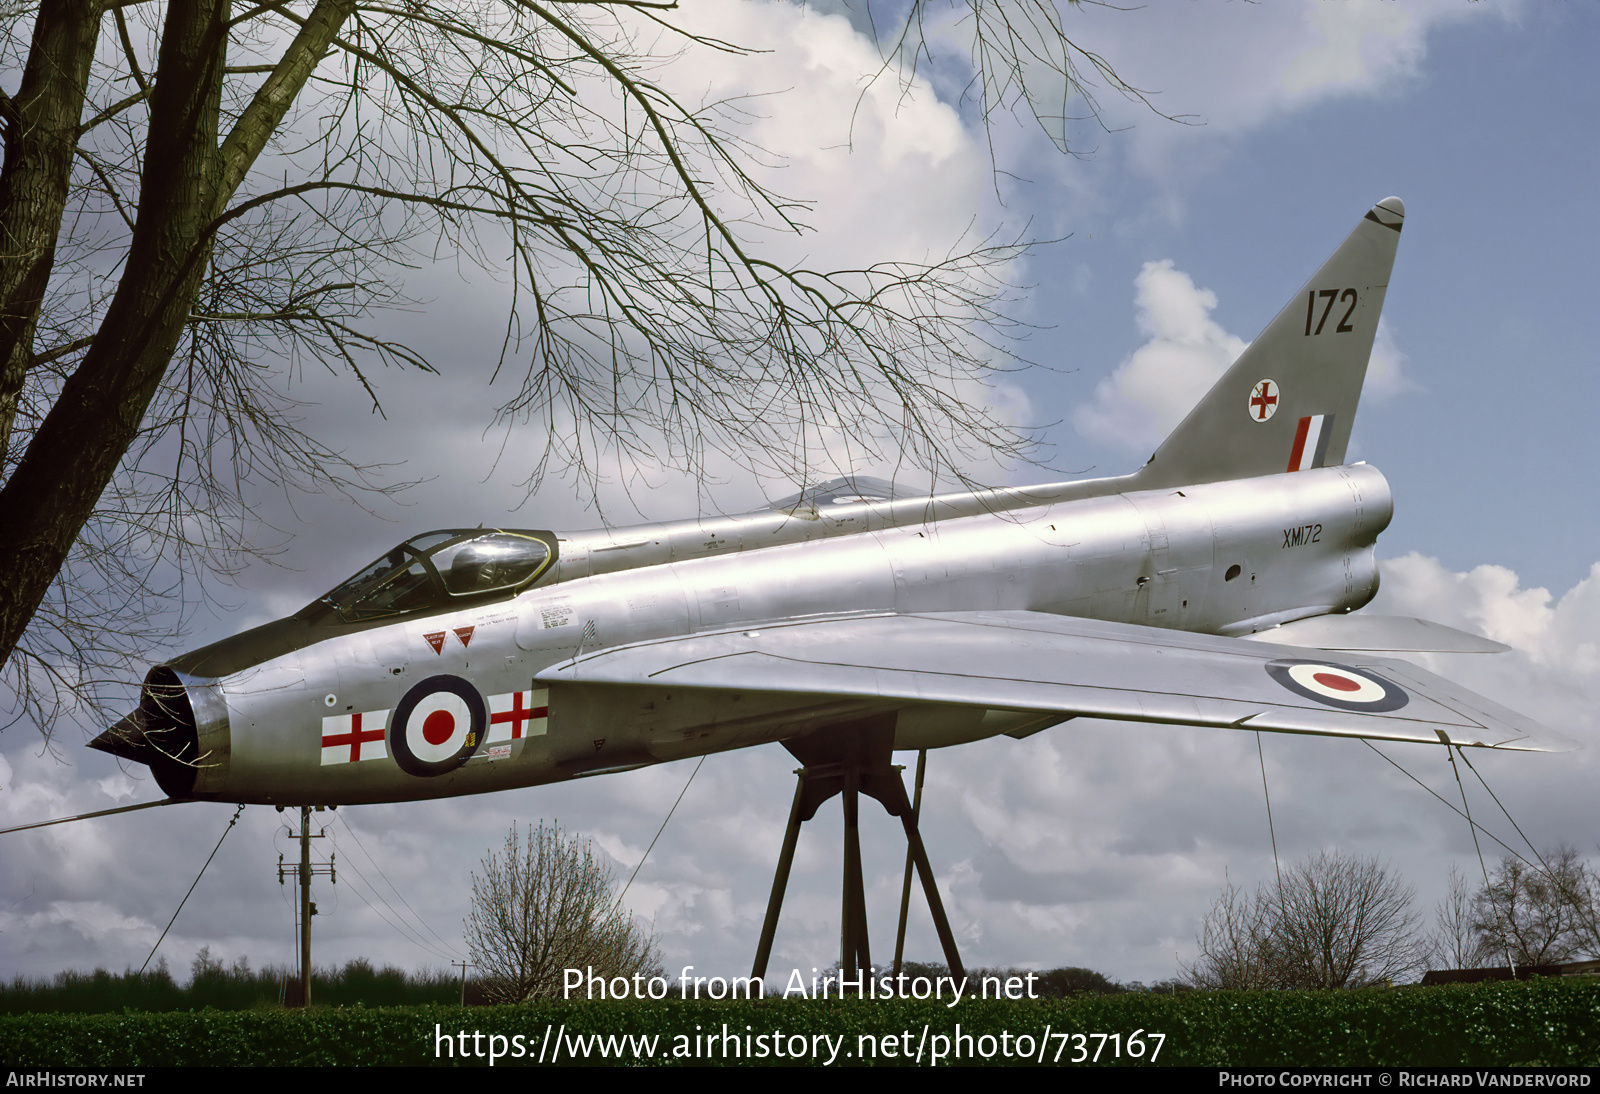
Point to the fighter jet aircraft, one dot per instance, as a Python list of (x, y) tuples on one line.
[(1213, 587)]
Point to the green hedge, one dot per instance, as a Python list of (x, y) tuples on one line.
[(1540, 1022)]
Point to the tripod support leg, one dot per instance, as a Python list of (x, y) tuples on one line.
[(780, 880), (905, 885)]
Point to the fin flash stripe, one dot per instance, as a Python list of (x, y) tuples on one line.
[(1311, 442)]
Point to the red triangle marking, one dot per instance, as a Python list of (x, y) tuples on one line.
[(436, 640)]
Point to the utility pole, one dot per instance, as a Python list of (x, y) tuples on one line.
[(303, 874), (463, 965)]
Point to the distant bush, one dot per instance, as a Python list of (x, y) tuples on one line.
[(225, 987), (95, 992)]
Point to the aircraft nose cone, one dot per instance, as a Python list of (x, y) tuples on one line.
[(165, 733), (126, 738)]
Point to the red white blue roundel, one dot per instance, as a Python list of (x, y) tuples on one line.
[(1339, 686), (437, 726)]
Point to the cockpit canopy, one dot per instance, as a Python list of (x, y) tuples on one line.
[(445, 569), (844, 490)]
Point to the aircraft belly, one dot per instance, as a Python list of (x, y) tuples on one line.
[(929, 726), (657, 724)]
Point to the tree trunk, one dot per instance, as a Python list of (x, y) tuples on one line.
[(97, 416), (187, 182), (41, 133)]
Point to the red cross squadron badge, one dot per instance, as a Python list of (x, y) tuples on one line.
[(1264, 400)]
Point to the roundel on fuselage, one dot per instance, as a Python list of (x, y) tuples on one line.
[(1339, 686), (437, 726)]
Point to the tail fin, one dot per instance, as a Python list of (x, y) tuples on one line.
[(1288, 402)]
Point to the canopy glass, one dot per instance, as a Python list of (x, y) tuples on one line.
[(443, 569)]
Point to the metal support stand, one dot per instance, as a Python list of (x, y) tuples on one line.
[(905, 885), (852, 759)]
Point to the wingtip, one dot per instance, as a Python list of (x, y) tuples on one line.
[(1393, 205), (1551, 741), (1535, 737)]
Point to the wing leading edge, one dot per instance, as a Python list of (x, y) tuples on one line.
[(1031, 661)]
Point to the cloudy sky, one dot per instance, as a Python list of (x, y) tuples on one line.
[(1092, 844)]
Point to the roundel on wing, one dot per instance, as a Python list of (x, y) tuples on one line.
[(1339, 686), (437, 726)]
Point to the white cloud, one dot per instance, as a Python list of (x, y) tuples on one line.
[(890, 173), (885, 174), (1556, 637), (1186, 352), (1386, 375), (1364, 43), (1225, 71)]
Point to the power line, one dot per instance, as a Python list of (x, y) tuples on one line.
[(398, 923), (401, 896)]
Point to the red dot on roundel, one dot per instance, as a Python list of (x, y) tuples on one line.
[(1326, 679), (438, 727)]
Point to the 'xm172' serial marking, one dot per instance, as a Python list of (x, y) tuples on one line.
[(1299, 537)]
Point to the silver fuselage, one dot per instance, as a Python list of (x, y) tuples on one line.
[(1227, 558)]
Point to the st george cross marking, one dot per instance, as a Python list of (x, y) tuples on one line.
[(346, 731), (518, 715)]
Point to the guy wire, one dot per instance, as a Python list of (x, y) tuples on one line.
[(234, 820)]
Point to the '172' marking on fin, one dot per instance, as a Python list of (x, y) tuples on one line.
[(1330, 295)]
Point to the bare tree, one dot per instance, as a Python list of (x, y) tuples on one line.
[(1235, 941), (547, 905), (1023, 60), (1334, 921), (1532, 916), (1454, 943), (195, 192), (1344, 921)]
